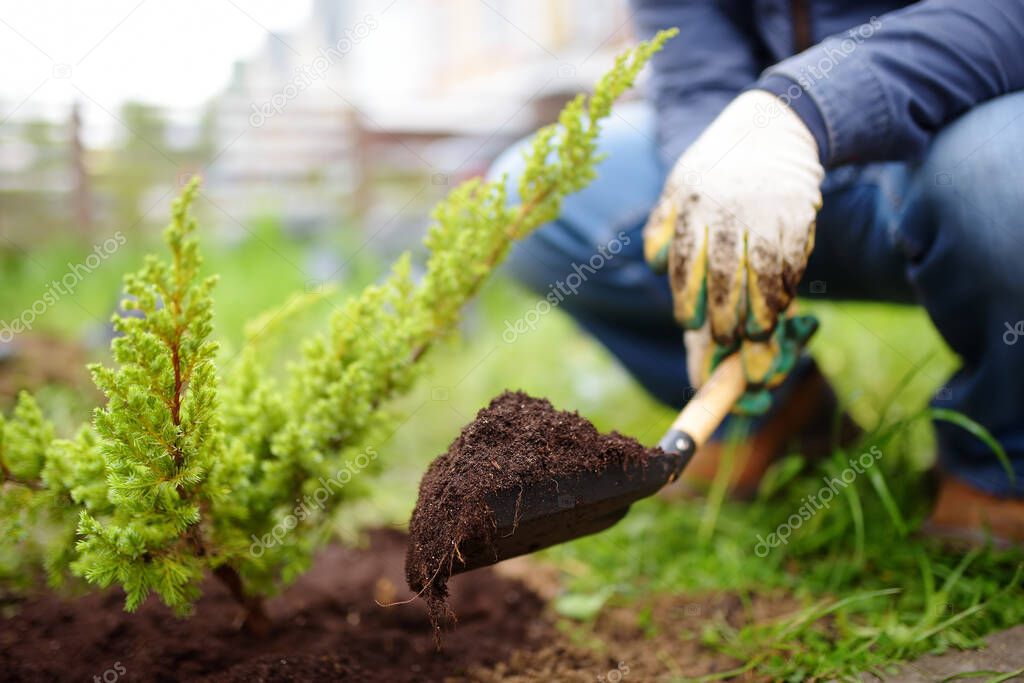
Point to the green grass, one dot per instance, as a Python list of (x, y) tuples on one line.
[(871, 594), (255, 274)]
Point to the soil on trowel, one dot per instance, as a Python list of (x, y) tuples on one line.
[(516, 441)]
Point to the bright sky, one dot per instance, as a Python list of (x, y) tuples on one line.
[(175, 53)]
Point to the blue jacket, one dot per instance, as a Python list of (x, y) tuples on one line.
[(874, 80)]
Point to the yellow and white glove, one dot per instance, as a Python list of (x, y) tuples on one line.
[(734, 227)]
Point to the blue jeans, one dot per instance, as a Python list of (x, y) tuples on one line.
[(946, 232)]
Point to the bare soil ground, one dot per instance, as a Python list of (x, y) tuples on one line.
[(329, 627), (326, 627)]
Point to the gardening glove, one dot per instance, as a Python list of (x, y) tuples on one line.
[(765, 363), (734, 227)]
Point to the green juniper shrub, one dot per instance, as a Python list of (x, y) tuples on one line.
[(189, 469)]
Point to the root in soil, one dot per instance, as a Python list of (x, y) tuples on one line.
[(516, 441)]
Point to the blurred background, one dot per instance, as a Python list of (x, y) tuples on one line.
[(324, 130), (324, 115)]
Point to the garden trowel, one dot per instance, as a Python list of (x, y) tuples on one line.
[(562, 509)]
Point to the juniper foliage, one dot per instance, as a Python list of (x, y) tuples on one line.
[(28, 507), (184, 471)]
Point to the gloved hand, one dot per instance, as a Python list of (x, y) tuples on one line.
[(765, 363), (734, 227)]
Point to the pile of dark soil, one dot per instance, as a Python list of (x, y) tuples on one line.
[(325, 627), (515, 441)]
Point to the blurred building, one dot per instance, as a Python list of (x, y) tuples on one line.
[(374, 108), (365, 115)]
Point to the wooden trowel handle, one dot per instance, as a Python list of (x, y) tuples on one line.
[(713, 401), (706, 410)]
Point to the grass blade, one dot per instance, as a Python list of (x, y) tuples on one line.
[(878, 483), (964, 422)]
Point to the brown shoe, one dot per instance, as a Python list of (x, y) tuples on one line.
[(802, 422), (968, 515)]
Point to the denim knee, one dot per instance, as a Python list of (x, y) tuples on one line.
[(971, 188)]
